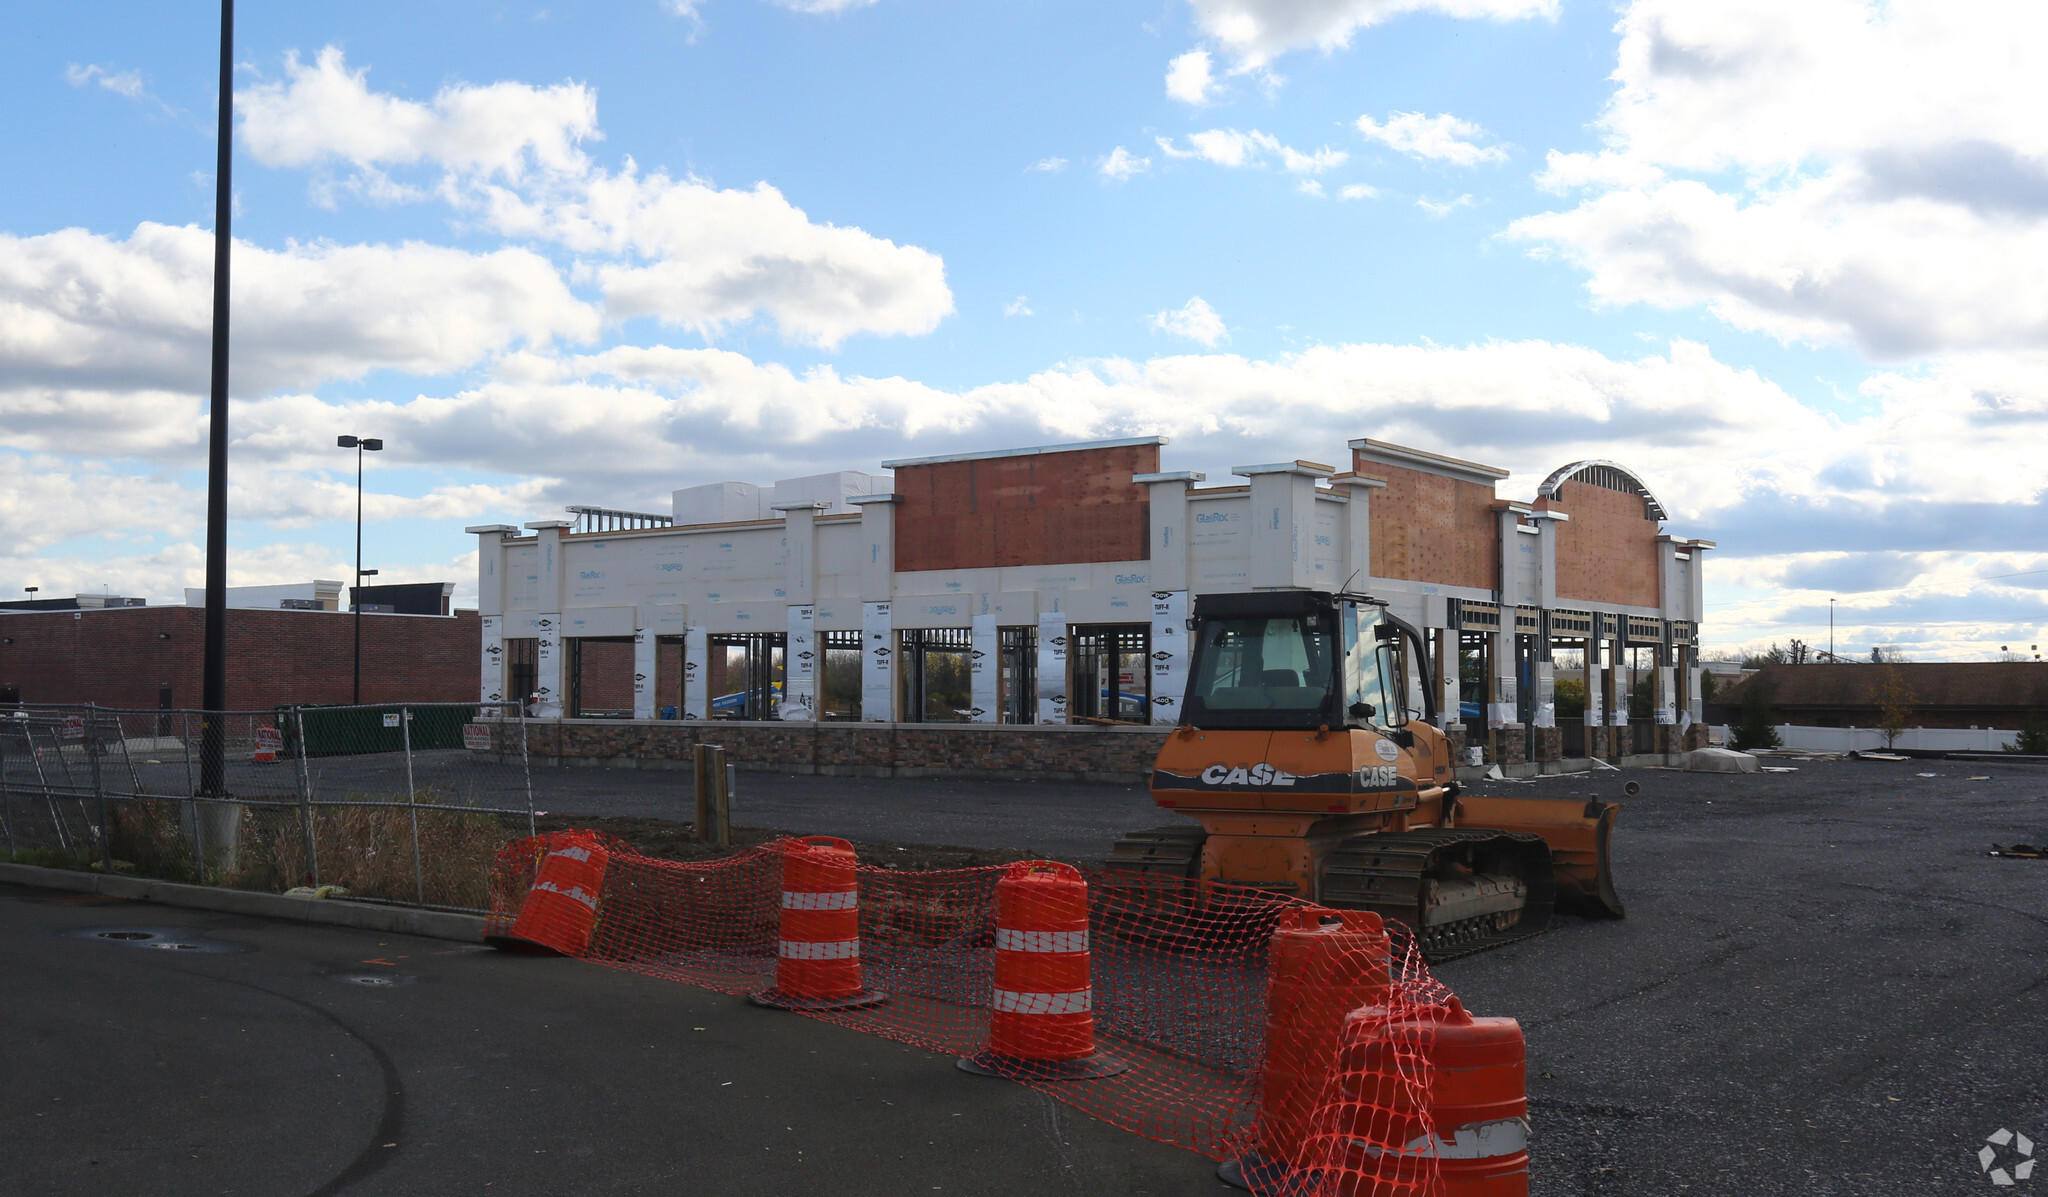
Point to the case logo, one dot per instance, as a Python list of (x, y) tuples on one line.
[(1260, 774)]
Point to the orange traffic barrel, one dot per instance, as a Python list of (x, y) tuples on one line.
[(1322, 965), (1436, 1105), (560, 911), (817, 952), (1041, 1021)]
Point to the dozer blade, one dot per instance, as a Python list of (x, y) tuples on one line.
[(1577, 833)]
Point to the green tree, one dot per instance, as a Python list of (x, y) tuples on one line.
[(1709, 685), (1894, 702), (1570, 696), (2033, 737), (1753, 729)]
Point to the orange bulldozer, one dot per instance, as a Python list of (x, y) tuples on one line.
[(1309, 761)]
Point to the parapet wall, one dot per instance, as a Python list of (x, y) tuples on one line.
[(1055, 752)]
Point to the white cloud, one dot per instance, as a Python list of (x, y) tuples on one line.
[(1310, 187), (1020, 306), (1836, 171), (1188, 78), (1121, 164), (1438, 209), (681, 250), (1358, 191), (325, 112), (126, 83), (1257, 31), (822, 6), (1195, 320), (1440, 138), (1229, 147), (1049, 166), (83, 313)]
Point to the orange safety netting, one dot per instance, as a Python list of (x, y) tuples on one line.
[(1181, 974)]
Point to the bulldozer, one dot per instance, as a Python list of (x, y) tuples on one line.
[(1309, 763)]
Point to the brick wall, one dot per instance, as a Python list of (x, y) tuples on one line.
[(1036, 509), (122, 657)]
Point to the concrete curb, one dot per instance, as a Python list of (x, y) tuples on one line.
[(333, 912)]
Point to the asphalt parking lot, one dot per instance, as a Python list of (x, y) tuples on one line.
[(1824, 986), (306, 1060)]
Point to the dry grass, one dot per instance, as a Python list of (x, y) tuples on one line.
[(368, 850)]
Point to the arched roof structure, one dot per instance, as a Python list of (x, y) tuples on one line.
[(1607, 475)]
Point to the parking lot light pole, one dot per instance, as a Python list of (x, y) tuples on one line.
[(361, 445)]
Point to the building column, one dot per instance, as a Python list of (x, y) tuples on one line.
[(1282, 522), (1595, 714), (877, 589), (490, 609), (548, 684), (984, 668), (1357, 560), (646, 663)]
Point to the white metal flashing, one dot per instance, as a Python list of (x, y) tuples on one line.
[(506, 529), (1173, 476), (1435, 463), (1033, 451), (537, 525), (1307, 469), (862, 500)]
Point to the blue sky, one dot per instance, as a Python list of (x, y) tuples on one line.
[(586, 253)]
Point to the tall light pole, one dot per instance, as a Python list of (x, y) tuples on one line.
[(361, 445), (214, 673)]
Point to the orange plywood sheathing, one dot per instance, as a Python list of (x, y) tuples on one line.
[(560, 909), (1323, 965), (1430, 527), (1041, 1019), (1036, 508), (1607, 551), (817, 953)]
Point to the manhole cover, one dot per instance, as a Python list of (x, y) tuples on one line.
[(375, 980), (163, 939)]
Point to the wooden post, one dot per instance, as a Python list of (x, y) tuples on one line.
[(700, 791), (721, 819)]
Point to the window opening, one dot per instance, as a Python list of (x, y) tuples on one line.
[(938, 682), (839, 676), (1017, 683), (746, 672), (1112, 673)]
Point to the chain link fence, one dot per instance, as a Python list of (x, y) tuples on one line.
[(405, 803)]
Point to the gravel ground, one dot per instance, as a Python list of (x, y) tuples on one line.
[(1824, 986)]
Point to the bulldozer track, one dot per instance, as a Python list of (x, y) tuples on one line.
[(1383, 872)]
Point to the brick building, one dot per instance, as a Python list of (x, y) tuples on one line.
[(138, 657), (1052, 584), (1951, 694)]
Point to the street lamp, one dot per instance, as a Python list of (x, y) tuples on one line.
[(361, 445), (31, 592)]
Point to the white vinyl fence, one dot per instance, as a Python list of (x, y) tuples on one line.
[(1867, 739)]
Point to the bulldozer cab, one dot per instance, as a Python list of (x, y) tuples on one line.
[(1286, 660)]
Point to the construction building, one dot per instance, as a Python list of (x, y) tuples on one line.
[(1052, 585)]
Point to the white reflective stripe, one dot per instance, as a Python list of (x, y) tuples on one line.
[(1476, 1141), (1009, 1001), (574, 893), (793, 900), (844, 949), (582, 854), (1040, 941)]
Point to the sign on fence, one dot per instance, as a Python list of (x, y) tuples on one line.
[(391, 718), (73, 727), (476, 737), (269, 742)]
